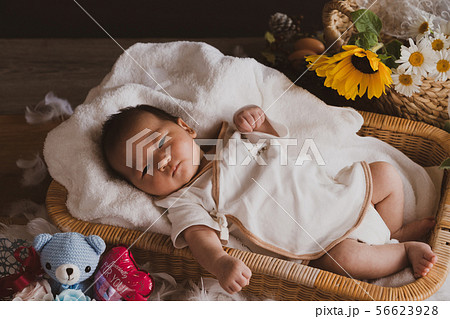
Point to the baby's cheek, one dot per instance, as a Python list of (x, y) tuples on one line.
[(193, 154)]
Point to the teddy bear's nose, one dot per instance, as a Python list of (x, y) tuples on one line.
[(69, 271)]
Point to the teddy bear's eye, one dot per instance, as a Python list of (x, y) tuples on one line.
[(87, 269), (48, 266)]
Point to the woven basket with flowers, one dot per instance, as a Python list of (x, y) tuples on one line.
[(409, 79)]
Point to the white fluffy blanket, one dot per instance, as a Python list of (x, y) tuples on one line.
[(204, 87)]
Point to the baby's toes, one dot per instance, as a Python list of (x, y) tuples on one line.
[(431, 257), (426, 264), (420, 271)]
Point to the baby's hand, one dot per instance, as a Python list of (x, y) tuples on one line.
[(232, 273), (249, 118)]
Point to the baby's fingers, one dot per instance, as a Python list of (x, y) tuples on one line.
[(259, 118), (243, 281), (247, 273), (251, 119), (243, 123), (255, 118), (234, 287)]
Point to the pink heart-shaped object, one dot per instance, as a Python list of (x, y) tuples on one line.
[(118, 277)]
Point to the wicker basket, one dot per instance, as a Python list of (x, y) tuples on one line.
[(430, 105), (283, 280)]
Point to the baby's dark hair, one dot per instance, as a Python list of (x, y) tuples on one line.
[(119, 123)]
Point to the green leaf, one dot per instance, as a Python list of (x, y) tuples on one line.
[(445, 164), (377, 47), (447, 126), (384, 57), (270, 57), (393, 49), (269, 37), (366, 21), (352, 39), (388, 60), (366, 40)]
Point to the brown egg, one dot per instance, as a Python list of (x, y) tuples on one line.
[(310, 44), (297, 58), (300, 54)]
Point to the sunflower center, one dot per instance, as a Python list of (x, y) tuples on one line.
[(362, 64), (416, 59), (443, 66), (405, 79), (423, 27), (437, 45)]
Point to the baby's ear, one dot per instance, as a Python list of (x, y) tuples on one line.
[(186, 127)]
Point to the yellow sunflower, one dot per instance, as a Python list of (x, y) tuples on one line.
[(353, 72)]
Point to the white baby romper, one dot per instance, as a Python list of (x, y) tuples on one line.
[(264, 197)]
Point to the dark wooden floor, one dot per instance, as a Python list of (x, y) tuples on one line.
[(29, 68)]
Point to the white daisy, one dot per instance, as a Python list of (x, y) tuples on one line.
[(439, 41), (441, 68), (417, 59), (406, 84), (422, 26)]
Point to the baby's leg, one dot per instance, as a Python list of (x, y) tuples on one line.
[(388, 199), (361, 261)]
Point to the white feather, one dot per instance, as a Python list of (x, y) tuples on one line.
[(13, 232), (209, 290), (165, 286), (34, 172), (29, 231), (36, 215), (39, 226), (47, 109)]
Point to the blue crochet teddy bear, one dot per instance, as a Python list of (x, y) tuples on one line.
[(69, 258)]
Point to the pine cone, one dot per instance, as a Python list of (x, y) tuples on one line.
[(282, 27)]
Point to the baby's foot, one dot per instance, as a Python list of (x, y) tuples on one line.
[(421, 258), (416, 230)]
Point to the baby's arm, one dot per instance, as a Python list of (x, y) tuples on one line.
[(252, 118), (231, 272)]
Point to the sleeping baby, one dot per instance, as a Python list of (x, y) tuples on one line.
[(246, 184)]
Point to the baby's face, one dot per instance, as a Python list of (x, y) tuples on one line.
[(168, 161)]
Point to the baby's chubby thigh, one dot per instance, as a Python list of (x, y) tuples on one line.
[(388, 195), (385, 180)]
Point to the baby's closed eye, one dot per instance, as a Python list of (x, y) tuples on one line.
[(145, 171), (161, 141)]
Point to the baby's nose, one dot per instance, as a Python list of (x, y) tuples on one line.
[(162, 164)]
